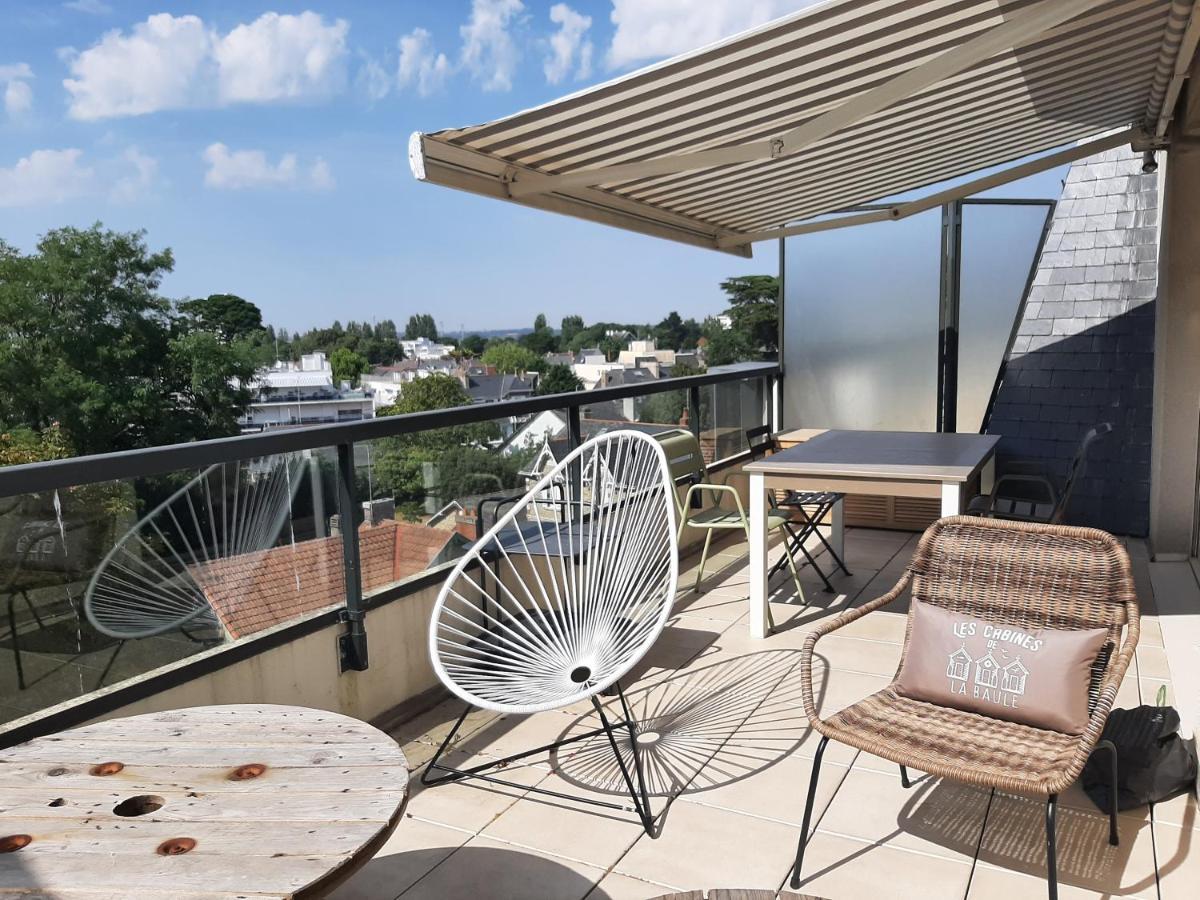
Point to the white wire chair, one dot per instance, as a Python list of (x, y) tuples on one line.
[(151, 581), (562, 597)]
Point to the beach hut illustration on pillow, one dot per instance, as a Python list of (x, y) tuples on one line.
[(1013, 679), (987, 671), (960, 664)]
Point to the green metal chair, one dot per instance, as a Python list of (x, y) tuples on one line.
[(686, 461)]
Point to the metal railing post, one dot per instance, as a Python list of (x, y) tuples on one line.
[(694, 410), (574, 439), (352, 644)]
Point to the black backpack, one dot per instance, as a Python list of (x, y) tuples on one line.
[(1153, 761)]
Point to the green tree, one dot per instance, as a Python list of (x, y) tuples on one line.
[(227, 315), (403, 466), (511, 358), (725, 345), (348, 365), (753, 309), (420, 325), (571, 326), (541, 340), (474, 344), (90, 344), (558, 379)]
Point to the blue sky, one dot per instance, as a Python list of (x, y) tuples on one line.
[(266, 145)]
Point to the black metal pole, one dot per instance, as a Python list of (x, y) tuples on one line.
[(353, 643), (693, 402), (948, 317)]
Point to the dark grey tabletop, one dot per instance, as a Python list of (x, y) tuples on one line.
[(924, 456)]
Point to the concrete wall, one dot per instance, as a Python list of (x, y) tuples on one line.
[(1177, 352), (1084, 351)]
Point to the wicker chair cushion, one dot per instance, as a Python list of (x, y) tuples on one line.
[(953, 743), (1035, 676)]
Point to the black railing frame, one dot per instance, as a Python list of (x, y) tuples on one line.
[(352, 643)]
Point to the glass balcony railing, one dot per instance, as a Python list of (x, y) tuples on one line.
[(121, 566)]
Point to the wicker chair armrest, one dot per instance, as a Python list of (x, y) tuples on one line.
[(839, 621), (1106, 698)]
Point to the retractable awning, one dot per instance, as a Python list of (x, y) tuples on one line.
[(839, 105)]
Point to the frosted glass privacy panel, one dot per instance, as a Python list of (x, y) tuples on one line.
[(998, 246), (861, 326)]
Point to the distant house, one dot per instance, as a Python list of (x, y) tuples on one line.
[(255, 591), (494, 388), (423, 348), (290, 394)]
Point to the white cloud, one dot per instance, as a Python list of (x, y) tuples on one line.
[(650, 29), (568, 49), (133, 186), (160, 65), (18, 95), (282, 58), (91, 7), (239, 169), (421, 66), (373, 80), (45, 177), (170, 62), (488, 50)]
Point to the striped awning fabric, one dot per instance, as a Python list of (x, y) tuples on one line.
[(841, 104)]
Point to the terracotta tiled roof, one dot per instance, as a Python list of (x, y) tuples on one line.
[(259, 590)]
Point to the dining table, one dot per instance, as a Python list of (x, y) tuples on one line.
[(214, 801), (946, 466)]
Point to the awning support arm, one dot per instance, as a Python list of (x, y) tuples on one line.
[(1012, 33), (912, 207)]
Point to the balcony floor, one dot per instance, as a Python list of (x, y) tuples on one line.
[(730, 770)]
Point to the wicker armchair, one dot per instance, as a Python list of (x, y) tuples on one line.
[(1014, 573)]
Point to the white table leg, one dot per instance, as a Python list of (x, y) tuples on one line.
[(951, 498), (837, 528), (758, 556)]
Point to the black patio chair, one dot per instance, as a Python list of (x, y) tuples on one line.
[(810, 507), (1027, 491)]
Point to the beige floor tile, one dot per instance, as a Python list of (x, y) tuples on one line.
[(859, 655), (1014, 838), (1181, 810), (710, 847), (778, 790), (840, 867), (1178, 852), (1151, 632), (990, 883), (512, 733), (413, 850), (569, 829), (472, 805), (880, 625), (616, 886), (499, 871), (1152, 662), (934, 816)]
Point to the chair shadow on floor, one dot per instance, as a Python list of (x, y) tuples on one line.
[(1011, 835), (698, 730), (466, 871)]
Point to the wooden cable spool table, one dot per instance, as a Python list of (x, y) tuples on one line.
[(218, 801)]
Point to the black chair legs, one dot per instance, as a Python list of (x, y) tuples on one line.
[(808, 807), (1114, 836), (904, 779), (1051, 854)]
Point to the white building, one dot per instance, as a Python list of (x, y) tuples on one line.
[(424, 348), (641, 353), (303, 393)]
